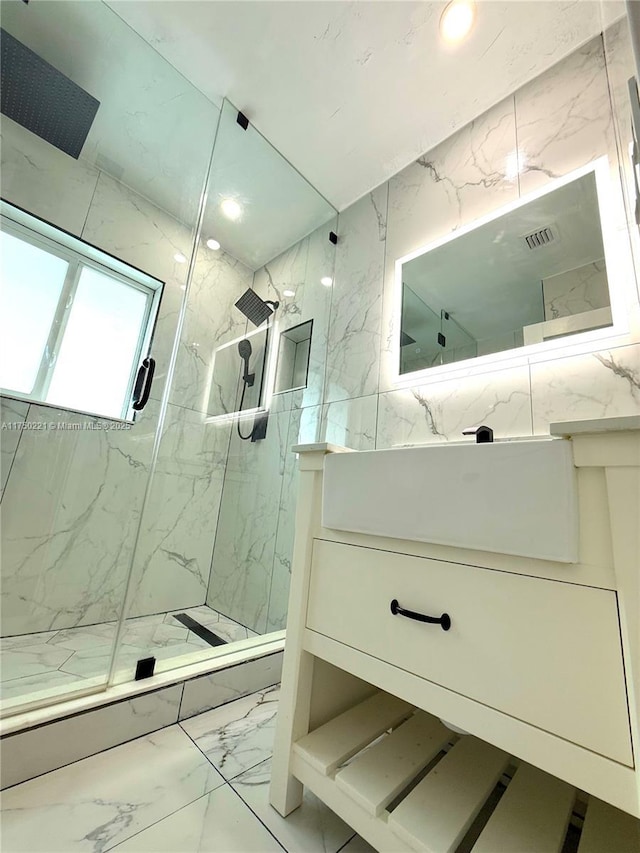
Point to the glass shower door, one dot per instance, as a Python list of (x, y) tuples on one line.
[(206, 557), (108, 237)]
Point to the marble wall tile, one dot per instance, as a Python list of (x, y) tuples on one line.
[(469, 175), (348, 422), (246, 533), (317, 306), (43, 180), (351, 423), (70, 511), (301, 269), (603, 384), (177, 532), (354, 333), (239, 735), (564, 117), (211, 320), (311, 827), (304, 425), (439, 411), (211, 691), (288, 271), (97, 803), (13, 413), (133, 229), (36, 751)]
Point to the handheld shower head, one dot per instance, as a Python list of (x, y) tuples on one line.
[(244, 348), (244, 351)]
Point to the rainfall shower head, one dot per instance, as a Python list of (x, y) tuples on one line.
[(254, 308), (42, 99), (244, 350)]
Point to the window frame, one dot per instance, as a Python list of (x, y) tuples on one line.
[(79, 255)]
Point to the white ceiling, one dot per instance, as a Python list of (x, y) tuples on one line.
[(351, 92)]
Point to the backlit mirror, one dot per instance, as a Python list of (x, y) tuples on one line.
[(534, 273)]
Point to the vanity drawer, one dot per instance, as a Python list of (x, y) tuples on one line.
[(545, 652)]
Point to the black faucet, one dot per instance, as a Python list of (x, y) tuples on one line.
[(483, 434)]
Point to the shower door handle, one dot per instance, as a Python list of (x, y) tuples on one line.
[(142, 388)]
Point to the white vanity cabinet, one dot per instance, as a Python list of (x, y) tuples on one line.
[(534, 669)]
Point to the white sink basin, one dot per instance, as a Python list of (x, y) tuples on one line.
[(511, 497)]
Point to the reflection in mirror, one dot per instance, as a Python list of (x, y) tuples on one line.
[(535, 273)]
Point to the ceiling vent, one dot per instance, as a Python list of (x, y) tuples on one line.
[(539, 238)]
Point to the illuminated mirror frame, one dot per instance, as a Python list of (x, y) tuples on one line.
[(268, 381), (610, 235)]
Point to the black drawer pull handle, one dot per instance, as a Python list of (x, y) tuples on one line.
[(444, 621)]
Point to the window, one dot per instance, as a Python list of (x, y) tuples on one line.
[(75, 323)]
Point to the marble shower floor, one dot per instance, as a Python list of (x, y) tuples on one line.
[(200, 785), (60, 660)]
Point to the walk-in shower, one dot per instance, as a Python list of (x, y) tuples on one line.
[(122, 538)]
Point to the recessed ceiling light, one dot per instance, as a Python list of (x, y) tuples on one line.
[(180, 258), (457, 20), (288, 293), (326, 280), (213, 244), (515, 163), (231, 209)]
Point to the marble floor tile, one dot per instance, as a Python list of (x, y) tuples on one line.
[(160, 794), (31, 660), (216, 823), (32, 685), (238, 735), (22, 640), (91, 662), (227, 629), (357, 845), (85, 638), (32, 663), (312, 827), (98, 802)]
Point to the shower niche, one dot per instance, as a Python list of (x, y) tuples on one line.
[(292, 367)]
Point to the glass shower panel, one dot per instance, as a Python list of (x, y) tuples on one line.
[(32, 282), (73, 483), (205, 559)]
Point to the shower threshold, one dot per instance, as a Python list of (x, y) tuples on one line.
[(42, 666)]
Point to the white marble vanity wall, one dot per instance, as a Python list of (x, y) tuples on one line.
[(72, 500), (556, 123)]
